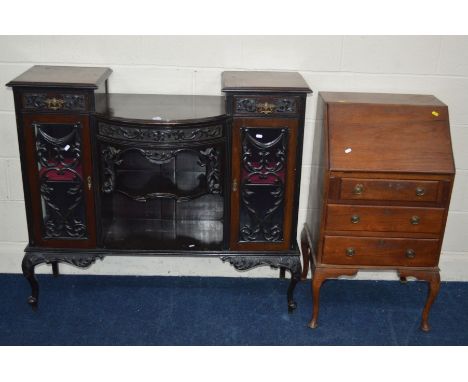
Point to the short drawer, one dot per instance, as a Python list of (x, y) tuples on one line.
[(55, 101), (384, 219), (390, 189), (265, 105), (374, 251)]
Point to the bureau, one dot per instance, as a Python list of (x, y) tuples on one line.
[(383, 172), (160, 175)]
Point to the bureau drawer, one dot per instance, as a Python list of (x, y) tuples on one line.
[(344, 250), (390, 189), (384, 219)]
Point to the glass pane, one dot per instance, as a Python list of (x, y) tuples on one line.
[(263, 166), (58, 148), (162, 198)]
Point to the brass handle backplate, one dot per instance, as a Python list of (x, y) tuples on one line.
[(415, 220), (266, 108), (355, 219), (234, 185), (420, 191), (89, 182), (358, 189), (410, 254), (54, 103), (350, 252)]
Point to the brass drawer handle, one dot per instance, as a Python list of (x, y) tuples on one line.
[(358, 189), (355, 219), (54, 103), (420, 191), (88, 179), (415, 220), (410, 254), (350, 252), (266, 108)]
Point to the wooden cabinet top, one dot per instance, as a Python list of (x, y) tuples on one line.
[(388, 133), (62, 76), (264, 82), (162, 109)]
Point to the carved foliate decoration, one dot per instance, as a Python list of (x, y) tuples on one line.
[(60, 181), (163, 135), (56, 102), (209, 157), (81, 260), (243, 263), (265, 106), (263, 183)]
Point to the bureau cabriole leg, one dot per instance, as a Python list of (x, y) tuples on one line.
[(306, 254), (320, 274), (433, 279), (318, 277)]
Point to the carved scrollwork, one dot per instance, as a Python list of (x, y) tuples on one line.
[(265, 105), (209, 157), (81, 260), (60, 181), (263, 163), (163, 135), (44, 101), (243, 263)]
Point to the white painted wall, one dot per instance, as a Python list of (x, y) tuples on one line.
[(193, 65)]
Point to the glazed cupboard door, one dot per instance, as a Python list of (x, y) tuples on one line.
[(58, 156), (262, 190)]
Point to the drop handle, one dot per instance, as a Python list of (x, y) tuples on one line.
[(89, 181), (410, 254), (358, 189), (350, 252), (355, 219), (420, 191), (415, 220)]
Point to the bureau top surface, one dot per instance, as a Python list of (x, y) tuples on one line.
[(264, 82), (162, 109), (70, 76), (388, 133), (381, 98)]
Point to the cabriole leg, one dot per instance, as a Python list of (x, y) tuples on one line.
[(28, 266), (433, 291), (295, 278)]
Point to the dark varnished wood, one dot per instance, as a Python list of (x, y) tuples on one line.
[(62, 76), (264, 82), (372, 214), (163, 109), (152, 215), (34, 192), (288, 219)]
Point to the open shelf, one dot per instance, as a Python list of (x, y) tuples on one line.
[(195, 235)]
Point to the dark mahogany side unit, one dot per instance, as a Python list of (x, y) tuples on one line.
[(160, 175), (381, 194)]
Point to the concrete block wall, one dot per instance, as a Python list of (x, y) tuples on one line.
[(193, 64)]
